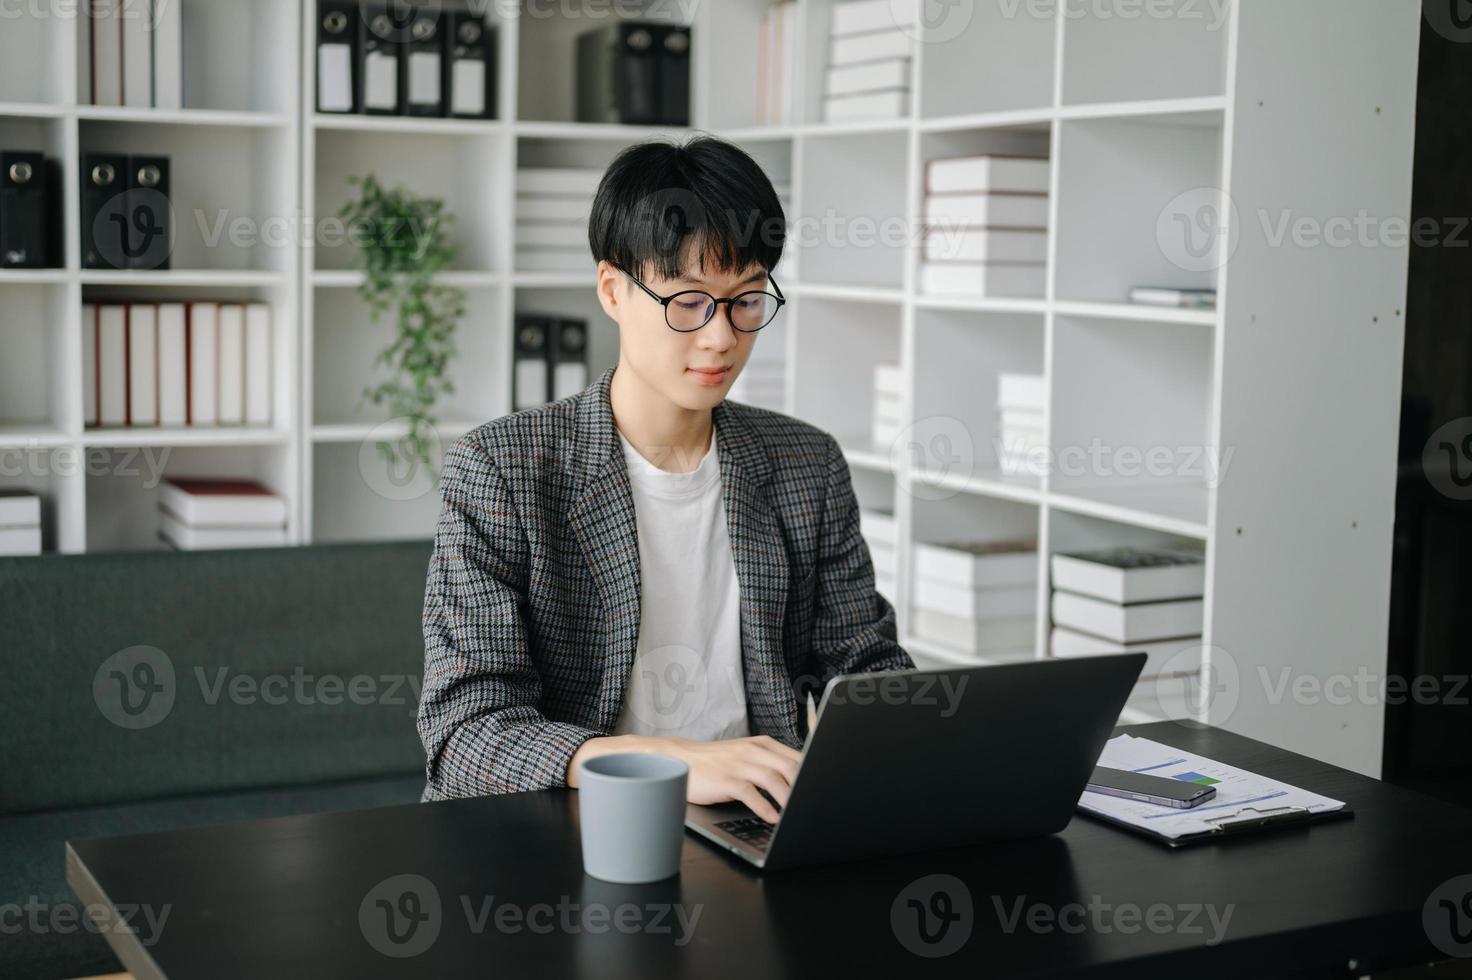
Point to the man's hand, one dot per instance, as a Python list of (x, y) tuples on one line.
[(736, 769)]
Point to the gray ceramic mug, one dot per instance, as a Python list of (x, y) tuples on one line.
[(631, 807)]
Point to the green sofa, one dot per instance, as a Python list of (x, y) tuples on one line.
[(154, 691)]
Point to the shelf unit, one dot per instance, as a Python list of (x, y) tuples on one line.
[(1144, 117)]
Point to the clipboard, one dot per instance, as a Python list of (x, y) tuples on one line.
[(1243, 822)]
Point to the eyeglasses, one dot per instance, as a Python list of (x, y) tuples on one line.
[(691, 309)]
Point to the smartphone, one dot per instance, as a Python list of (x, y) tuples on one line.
[(1148, 789)]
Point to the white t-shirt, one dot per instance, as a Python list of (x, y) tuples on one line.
[(687, 680)]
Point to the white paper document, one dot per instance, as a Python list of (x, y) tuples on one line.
[(1240, 795)]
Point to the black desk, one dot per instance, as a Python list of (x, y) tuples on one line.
[(282, 898)]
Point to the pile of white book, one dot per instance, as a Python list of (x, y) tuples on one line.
[(977, 597), (888, 412), (762, 380), (880, 533), (1114, 600), (552, 209), (869, 48), (1022, 401), (196, 514), (986, 227), (197, 364), (777, 65), (20, 523)]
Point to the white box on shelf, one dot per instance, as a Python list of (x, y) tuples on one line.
[(112, 365), (889, 104), (875, 46), (190, 538), (1137, 623), (986, 210), (878, 526), (865, 16), (20, 542), (227, 503), (988, 173), (1125, 575), (1022, 391), (979, 604), (973, 635), (985, 245), (173, 374), (872, 76), (204, 342), (19, 509), (142, 364), (997, 280), (1183, 656), (231, 354), (257, 364), (978, 564)]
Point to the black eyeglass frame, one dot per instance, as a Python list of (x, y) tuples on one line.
[(715, 305)]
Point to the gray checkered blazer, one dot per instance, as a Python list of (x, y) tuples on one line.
[(531, 612)]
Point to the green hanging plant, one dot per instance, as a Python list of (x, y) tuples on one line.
[(404, 242)]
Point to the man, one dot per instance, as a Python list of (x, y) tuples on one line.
[(644, 566)]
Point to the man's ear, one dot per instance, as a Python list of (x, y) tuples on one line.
[(608, 291)]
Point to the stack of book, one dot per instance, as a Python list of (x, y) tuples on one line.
[(196, 514), (777, 65), (763, 379), (986, 227), (199, 364), (552, 209), (1022, 401), (1129, 599), (20, 523), (881, 534), (868, 76), (888, 414), (130, 54), (1182, 299), (979, 597)]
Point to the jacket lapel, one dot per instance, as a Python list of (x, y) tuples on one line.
[(602, 518)]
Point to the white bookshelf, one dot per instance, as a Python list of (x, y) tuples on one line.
[(1298, 370)]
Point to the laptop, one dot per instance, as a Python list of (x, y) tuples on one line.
[(912, 760)]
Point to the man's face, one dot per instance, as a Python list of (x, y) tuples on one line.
[(694, 370)]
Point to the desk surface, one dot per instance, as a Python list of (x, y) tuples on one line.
[(499, 889)]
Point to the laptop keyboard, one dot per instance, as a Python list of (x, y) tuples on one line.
[(752, 830)]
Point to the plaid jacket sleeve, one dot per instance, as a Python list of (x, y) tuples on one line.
[(478, 719), (854, 627)]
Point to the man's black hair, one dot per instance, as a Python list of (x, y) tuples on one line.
[(657, 196)]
